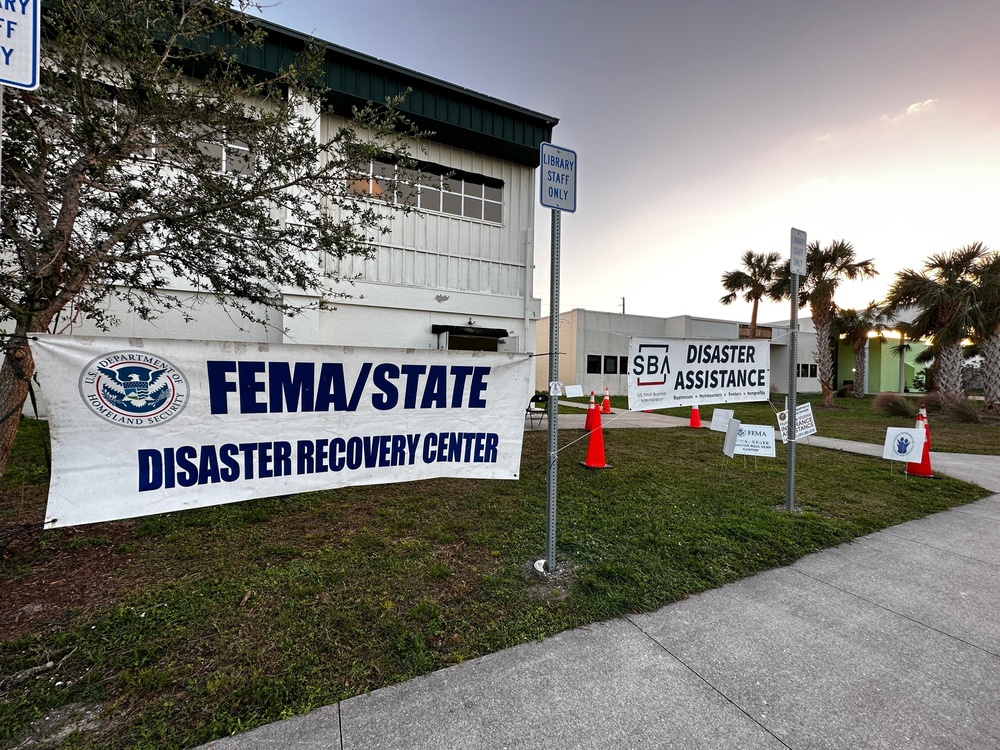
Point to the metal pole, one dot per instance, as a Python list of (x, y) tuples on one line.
[(793, 343), (2, 91), (550, 560)]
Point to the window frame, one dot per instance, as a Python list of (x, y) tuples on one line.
[(453, 193)]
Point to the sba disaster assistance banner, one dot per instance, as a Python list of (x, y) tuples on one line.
[(684, 372), (150, 426)]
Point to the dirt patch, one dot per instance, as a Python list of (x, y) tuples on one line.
[(58, 724), (552, 587), (45, 574)]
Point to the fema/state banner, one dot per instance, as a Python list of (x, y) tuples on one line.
[(142, 426), (683, 372)]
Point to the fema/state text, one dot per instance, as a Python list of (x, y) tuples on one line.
[(261, 387)]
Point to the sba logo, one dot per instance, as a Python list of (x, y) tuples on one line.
[(651, 365)]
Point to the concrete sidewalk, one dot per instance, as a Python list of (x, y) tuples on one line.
[(891, 641), (618, 418)]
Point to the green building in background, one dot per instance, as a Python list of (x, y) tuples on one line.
[(884, 374)]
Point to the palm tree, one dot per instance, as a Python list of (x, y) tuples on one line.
[(944, 294), (826, 267), (755, 282), (854, 326), (987, 330)]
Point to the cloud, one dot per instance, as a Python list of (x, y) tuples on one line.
[(914, 109)]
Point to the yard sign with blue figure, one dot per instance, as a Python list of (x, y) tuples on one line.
[(903, 444)]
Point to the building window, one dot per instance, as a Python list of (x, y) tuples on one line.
[(593, 364), (611, 365), (807, 371), (434, 188), (623, 365), (230, 156)]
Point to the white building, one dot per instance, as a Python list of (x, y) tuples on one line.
[(593, 347), (456, 273)]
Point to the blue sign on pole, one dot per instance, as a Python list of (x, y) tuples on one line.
[(20, 43), (558, 173)]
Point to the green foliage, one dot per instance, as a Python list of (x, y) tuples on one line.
[(759, 279), (953, 298), (160, 160)]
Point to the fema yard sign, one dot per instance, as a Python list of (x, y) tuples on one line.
[(20, 36), (558, 168)]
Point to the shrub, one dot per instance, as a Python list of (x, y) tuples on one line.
[(894, 405), (964, 411)]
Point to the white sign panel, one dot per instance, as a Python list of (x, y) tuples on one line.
[(558, 176), (150, 426), (805, 424), (904, 444), (683, 372), (720, 419), (732, 434), (798, 252), (755, 440), (20, 35)]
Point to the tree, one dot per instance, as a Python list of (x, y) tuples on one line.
[(854, 326), (148, 158), (825, 269), (944, 295), (987, 329), (755, 282)]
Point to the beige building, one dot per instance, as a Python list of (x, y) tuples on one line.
[(593, 347)]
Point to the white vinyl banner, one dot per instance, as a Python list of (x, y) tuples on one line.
[(149, 426), (683, 372)]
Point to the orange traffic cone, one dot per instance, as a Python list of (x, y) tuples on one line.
[(606, 404), (695, 417), (592, 415), (595, 447), (922, 469)]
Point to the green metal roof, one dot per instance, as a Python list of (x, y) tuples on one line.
[(457, 116)]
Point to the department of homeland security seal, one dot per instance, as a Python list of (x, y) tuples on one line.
[(133, 388)]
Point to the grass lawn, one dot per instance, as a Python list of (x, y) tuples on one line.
[(853, 419), (172, 630)]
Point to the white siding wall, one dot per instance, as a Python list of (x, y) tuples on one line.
[(431, 269), (447, 252)]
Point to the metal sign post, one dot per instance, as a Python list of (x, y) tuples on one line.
[(797, 267), (558, 192), (553, 477)]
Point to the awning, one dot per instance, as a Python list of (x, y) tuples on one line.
[(492, 333)]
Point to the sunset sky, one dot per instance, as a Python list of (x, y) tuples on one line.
[(707, 128)]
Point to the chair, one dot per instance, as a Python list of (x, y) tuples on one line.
[(538, 408)]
